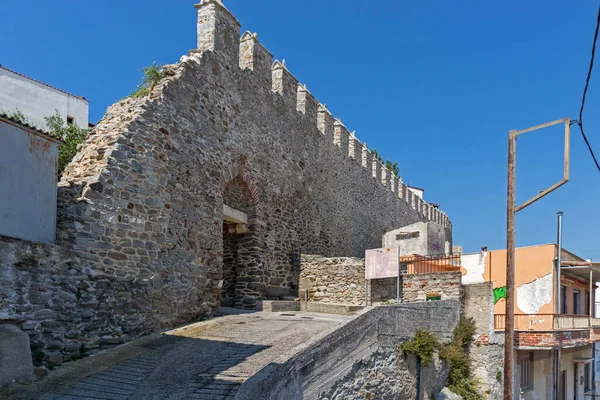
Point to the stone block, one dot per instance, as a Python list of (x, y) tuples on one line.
[(277, 305), (446, 394), (55, 358), (15, 356)]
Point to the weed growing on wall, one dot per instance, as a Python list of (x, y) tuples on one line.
[(393, 167), (456, 356), (152, 75), (17, 115), (71, 134), (425, 344)]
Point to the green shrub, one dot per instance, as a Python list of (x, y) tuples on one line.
[(152, 75), (393, 167), (71, 134), (467, 388), (423, 345), (454, 354), (464, 332)]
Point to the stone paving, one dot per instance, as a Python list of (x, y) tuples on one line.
[(211, 361)]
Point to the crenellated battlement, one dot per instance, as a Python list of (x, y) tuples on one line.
[(217, 28), (208, 188)]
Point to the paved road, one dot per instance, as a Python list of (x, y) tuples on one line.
[(209, 362)]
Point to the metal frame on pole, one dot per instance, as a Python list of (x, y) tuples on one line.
[(559, 261), (511, 210)]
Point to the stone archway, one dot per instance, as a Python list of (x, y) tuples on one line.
[(242, 267)]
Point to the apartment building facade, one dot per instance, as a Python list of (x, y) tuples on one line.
[(555, 326)]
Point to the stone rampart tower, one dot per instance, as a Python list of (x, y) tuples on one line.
[(207, 190)]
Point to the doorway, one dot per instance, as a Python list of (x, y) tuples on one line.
[(238, 207), (562, 385), (576, 382)]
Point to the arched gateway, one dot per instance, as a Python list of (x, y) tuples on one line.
[(242, 266)]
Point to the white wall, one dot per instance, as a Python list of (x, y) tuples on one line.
[(418, 192), (431, 240), (37, 100), (28, 171)]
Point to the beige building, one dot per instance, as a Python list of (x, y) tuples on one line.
[(555, 329)]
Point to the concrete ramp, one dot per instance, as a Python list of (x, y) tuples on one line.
[(333, 366)]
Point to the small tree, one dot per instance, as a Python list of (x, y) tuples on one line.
[(393, 167), (71, 134), (376, 156), (152, 75)]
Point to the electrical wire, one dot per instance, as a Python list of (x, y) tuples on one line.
[(587, 83)]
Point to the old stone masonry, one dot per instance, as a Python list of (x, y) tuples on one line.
[(204, 192)]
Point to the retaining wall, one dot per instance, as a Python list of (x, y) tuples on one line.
[(336, 365)]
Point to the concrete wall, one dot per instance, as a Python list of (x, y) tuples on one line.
[(431, 240), (335, 365), (37, 100), (28, 165), (487, 352)]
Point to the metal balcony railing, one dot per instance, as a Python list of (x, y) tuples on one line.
[(417, 264), (547, 322)]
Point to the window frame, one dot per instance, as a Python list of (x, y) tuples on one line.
[(576, 304), (588, 299), (564, 298), (525, 362)]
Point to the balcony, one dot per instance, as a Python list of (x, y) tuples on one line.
[(547, 322)]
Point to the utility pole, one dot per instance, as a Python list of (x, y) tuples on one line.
[(509, 328), (511, 211)]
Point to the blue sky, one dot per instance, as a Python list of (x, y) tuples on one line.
[(435, 86)]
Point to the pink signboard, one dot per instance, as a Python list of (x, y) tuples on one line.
[(381, 263)]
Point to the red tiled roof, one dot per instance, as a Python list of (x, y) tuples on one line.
[(27, 126), (42, 83)]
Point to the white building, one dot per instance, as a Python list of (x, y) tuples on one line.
[(37, 100), (417, 191)]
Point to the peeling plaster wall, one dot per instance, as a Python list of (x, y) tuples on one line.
[(533, 277), (531, 297), (474, 268)]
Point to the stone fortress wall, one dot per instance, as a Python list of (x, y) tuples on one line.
[(147, 191), (341, 280), (140, 209)]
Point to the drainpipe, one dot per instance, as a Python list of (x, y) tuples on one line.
[(559, 260), (557, 352), (418, 376)]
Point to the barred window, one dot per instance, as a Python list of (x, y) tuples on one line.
[(526, 368)]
